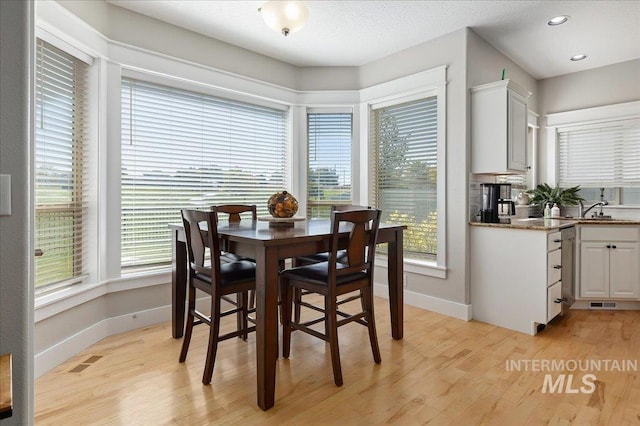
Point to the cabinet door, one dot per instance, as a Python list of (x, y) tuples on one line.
[(517, 132), (594, 269), (624, 270)]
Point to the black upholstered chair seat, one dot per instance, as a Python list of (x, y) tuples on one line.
[(321, 257), (231, 273), (319, 273)]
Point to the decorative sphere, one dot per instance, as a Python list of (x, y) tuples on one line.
[(282, 204)]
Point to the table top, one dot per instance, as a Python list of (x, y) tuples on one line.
[(263, 232)]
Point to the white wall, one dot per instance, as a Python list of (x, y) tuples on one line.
[(16, 282), (608, 85)]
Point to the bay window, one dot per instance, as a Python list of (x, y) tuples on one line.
[(60, 167), (329, 145), (183, 149), (404, 167)]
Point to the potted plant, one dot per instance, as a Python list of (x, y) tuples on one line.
[(543, 194)]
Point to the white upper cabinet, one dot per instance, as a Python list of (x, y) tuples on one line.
[(499, 128)]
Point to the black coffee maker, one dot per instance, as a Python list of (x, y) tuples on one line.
[(496, 202)]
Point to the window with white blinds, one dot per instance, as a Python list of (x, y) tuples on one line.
[(182, 149), (602, 155), (329, 162), (404, 169), (61, 198)]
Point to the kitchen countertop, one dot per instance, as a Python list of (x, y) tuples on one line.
[(541, 224)]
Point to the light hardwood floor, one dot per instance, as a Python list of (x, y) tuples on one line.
[(444, 372)]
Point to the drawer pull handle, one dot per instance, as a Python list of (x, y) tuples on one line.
[(558, 300), (557, 266), (608, 246), (557, 240), (613, 247)]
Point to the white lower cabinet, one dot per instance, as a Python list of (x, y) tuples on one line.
[(609, 262), (516, 279)]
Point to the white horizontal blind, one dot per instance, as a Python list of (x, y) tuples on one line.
[(182, 149), (329, 167), (404, 166), (61, 199), (600, 155)]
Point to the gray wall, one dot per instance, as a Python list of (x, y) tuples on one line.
[(60, 327), (608, 85), (447, 50), (129, 27), (16, 297)]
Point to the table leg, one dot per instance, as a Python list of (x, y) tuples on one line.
[(396, 281), (266, 327), (178, 285)]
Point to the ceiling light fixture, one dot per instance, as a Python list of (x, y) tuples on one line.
[(284, 16), (558, 20), (578, 57)]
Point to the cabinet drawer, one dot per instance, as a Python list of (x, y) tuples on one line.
[(554, 302), (554, 266), (554, 241), (610, 233)]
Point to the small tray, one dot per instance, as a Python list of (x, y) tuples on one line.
[(281, 221)]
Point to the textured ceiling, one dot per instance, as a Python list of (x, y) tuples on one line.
[(353, 33)]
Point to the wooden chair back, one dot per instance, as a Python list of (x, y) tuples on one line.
[(347, 207), (361, 245), (197, 225), (234, 211)]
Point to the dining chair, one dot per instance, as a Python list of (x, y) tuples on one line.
[(319, 257), (217, 280), (234, 212), (334, 278)]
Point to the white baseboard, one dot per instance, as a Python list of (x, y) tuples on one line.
[(71, 346), (430, 303)]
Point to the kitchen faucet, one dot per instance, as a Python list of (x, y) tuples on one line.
[(583, 212)]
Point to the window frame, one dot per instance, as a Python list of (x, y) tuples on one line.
[(87, 269), (556, 122), (420, 85)]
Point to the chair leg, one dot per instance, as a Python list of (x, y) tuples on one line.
[(189, 325), (332, 335), (244, 324), (214, 332), (239, 304), (297, 298), (366, 296), (252, 299), (285, 311)]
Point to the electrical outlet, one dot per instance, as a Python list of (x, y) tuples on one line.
[(404, 280)]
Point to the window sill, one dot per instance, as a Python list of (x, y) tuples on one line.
[(420, 267), (58, 301)]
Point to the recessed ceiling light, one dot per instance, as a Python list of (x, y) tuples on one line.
[(558, 20), (578, 57)]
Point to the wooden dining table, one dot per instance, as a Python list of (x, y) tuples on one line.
[(269, 245)]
